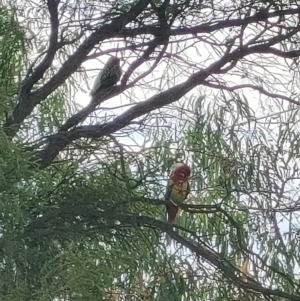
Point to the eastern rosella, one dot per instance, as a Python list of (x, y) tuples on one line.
[(177, 191), (108, 76)]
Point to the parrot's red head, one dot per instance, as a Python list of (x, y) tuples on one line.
[(113, 60), (180, 173)]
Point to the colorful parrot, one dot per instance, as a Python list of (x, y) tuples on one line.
[(177, 191), (108, 76)]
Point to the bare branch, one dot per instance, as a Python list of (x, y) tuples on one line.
[(244, 86), (209, 27), (97, 99), (26, 105), (153, 44), (61, 140)]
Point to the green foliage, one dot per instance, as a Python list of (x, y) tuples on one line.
[(51, 112), (12, 53), (91, 225)]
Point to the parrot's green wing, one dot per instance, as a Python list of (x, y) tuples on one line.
[(169, 188)]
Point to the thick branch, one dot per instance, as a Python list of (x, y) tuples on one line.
[(117, 27), (228, 271), (108, 31), (191, 208), (103, 95), (97, 99), (39, 71), (49, 225), (61, 140), (209, 27), (25, 104)]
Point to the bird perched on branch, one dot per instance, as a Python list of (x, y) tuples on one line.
[(108, 76), (177, 191)]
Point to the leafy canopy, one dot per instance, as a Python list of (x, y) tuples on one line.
[(211, 83)]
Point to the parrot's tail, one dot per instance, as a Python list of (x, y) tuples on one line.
[(168, 237), (172, 211)]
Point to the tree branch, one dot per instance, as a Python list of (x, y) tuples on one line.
[(156, 42), (117, 27), (38, 73), (208, 27), (61, 140), (97, 99), (26, 105), (49, 224), (103, 95), (244, 86)]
